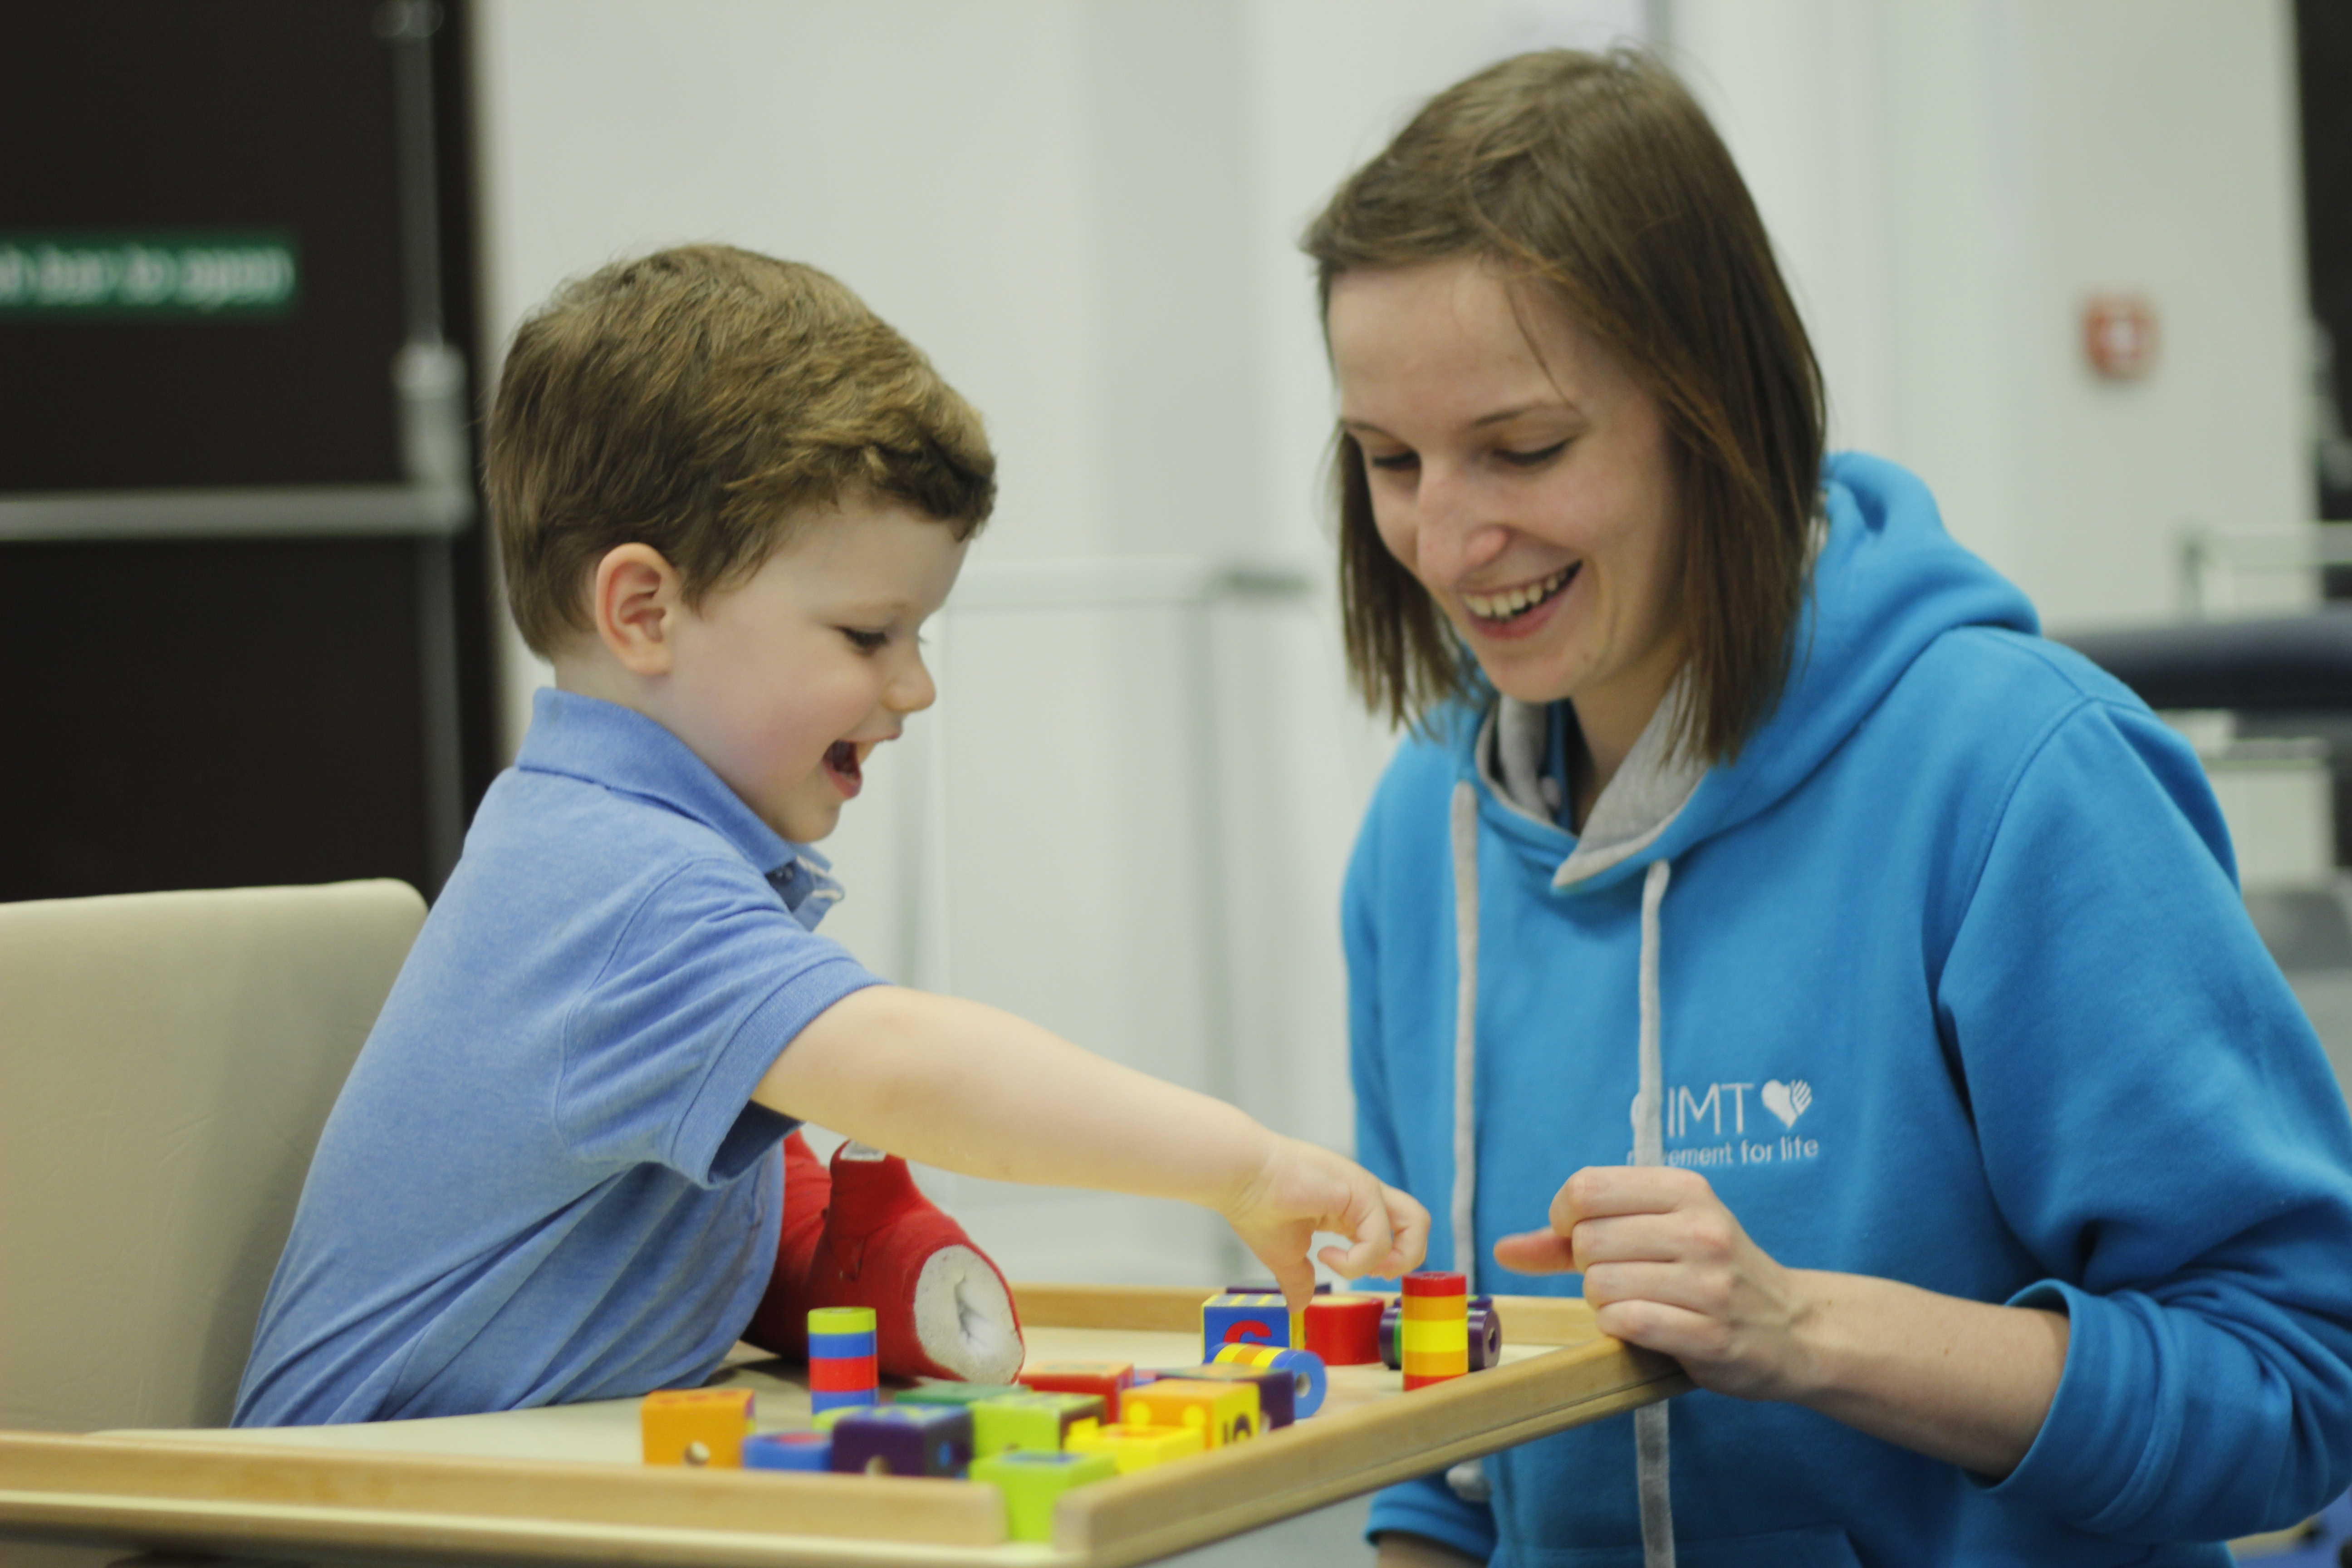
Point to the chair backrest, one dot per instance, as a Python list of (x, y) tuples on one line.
[(166, 1061)]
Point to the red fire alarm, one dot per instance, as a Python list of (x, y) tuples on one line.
[(2119, 335)]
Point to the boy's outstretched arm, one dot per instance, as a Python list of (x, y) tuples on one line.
[(967, 1087)]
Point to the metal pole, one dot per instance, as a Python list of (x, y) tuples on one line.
[(429, 377)]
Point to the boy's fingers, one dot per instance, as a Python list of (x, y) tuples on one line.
[(1410, 1223)]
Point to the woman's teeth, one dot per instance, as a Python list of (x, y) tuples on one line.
[(1516, 601)]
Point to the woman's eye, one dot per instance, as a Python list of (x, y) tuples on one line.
[(1391, 462), (864, 641), (1534, 459)]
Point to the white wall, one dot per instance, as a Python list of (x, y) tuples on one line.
[(1947, 181), (1086, 212)]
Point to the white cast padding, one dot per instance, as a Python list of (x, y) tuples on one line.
[(166, 1061), (964, 1318)]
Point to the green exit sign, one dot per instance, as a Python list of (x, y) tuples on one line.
[(198, 274)]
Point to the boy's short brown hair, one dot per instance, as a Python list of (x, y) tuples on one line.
[(699, 401)]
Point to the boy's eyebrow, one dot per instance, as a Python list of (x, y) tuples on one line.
[(882, 604)]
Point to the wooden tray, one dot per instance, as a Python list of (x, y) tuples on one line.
[(563, 1485)]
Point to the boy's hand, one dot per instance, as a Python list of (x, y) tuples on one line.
[(1302, 1189)]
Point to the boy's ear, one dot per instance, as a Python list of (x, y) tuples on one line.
[(636, 599)]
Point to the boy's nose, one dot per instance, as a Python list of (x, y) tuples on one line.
[(912, 690)]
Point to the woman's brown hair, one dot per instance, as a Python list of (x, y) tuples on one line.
[(1599, 178)]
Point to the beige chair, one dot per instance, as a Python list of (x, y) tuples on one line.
[(166, 1061)]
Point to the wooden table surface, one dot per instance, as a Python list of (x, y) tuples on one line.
[(564, 1485)]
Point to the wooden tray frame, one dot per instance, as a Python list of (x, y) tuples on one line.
[(350, 1504)]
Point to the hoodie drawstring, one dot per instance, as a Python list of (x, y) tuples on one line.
[(1468, 1480), (1465, 1032), (1650, 1149)]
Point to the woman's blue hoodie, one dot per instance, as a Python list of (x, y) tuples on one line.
[(1953, 986)]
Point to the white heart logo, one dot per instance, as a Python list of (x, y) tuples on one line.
[(1786, 1100)]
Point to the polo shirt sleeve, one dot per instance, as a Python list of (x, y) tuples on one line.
[(709, 980)]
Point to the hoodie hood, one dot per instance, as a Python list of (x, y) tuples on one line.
[(1887, 580)]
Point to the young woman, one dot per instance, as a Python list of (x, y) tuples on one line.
[(1982, 1169)]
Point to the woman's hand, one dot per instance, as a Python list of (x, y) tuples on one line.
[(1667, 1268), (1301, 1189)]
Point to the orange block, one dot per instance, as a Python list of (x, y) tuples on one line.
[(1222, 1412), (696, 1426)]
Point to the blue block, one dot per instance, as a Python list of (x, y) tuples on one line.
[(1237, 1318), (788, 1451)]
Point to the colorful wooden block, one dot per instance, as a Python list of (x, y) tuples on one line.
[(1138, 1447), (1032, 1482), (1222, 1413), (843, 1372), (1304, 1369), (1103, 1379), (788, 1451), (1039, 1423), (1277, 1391), (1433, 1330), (904, 1440), (1344, 1329), (1484, 1333), (696, 1427), (956, 1394), (1238, 1318)]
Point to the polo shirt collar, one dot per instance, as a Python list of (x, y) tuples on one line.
[(619, 749)]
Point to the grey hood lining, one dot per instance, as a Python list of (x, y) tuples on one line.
[(1650, 790)]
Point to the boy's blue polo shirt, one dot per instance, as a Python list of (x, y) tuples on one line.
[(545, 1179)]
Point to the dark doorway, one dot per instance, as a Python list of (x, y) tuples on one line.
[(2323, 62), (258, 639)]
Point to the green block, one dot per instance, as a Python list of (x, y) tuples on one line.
[(1033, 1422), (956, 1393), (1031, 1481)]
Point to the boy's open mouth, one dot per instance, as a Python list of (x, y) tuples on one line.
[(841, 762), (1500, 609)]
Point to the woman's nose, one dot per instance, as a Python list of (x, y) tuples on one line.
[(1456, 532)]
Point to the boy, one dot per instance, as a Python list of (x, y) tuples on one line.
[(727, 496)]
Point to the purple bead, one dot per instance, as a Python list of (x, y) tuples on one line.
[(1485, 1333), (904, 1440)]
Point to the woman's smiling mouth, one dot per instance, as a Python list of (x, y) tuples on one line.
[(1512, 603)]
